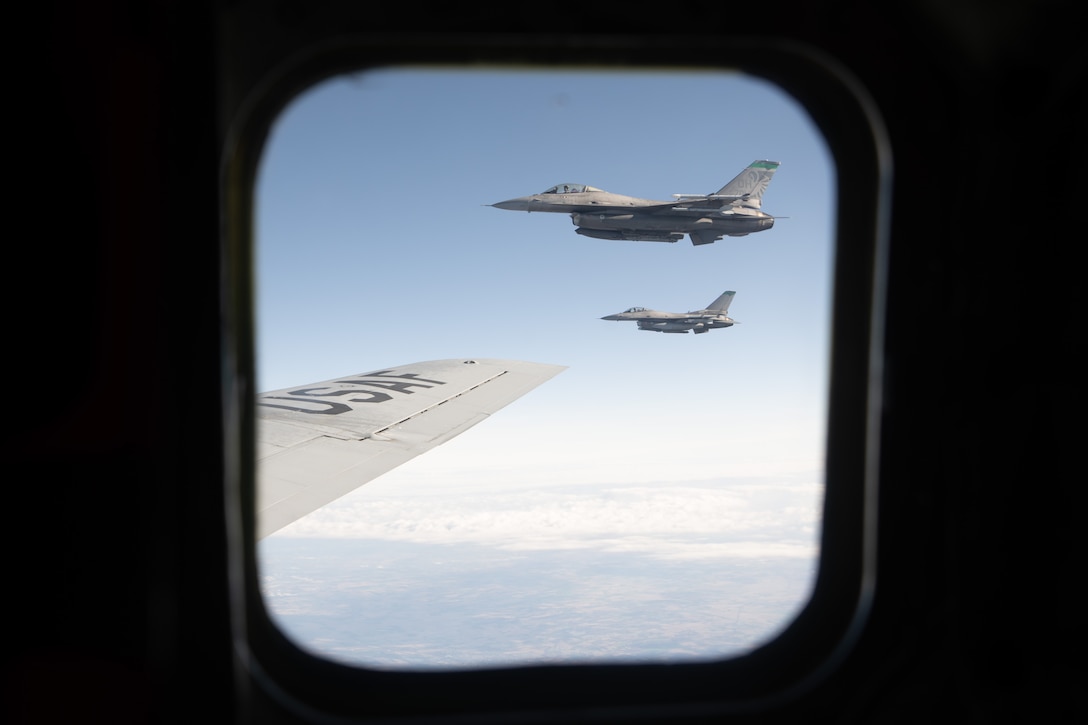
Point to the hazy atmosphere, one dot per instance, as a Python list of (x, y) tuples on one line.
[(660, 498)]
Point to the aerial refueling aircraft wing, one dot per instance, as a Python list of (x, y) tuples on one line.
[(318, 442)]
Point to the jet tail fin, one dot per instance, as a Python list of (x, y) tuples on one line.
[(722, 303), (751, 183)]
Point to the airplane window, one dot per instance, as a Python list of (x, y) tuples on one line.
[(559, 531)]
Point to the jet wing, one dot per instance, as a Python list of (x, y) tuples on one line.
[(715, 200), (316, 443)]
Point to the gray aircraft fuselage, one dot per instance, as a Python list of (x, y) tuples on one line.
[(713, 317), (733, 211), (604, 215)]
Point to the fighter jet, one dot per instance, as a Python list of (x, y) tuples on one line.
[(734, 210), (680, 322)]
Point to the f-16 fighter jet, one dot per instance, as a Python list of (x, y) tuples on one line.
[(698, 320), (734, 210)]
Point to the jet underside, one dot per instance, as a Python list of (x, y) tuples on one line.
[(682, 326), (645, 227)]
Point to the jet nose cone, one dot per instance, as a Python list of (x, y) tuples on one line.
[(520, 204)]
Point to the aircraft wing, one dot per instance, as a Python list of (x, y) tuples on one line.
[(701, 204), (317, 442)]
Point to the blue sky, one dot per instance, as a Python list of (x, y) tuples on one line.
[(376, 247)]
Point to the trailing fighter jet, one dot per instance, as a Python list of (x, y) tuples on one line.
[(698, 320), (318, 442), (734, 210)]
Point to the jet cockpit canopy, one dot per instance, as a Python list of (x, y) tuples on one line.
[(570, 189)]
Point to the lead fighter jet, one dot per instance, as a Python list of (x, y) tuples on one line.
[(734, 210), (712, 317)]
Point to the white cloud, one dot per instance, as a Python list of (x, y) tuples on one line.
[(688, 520)]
